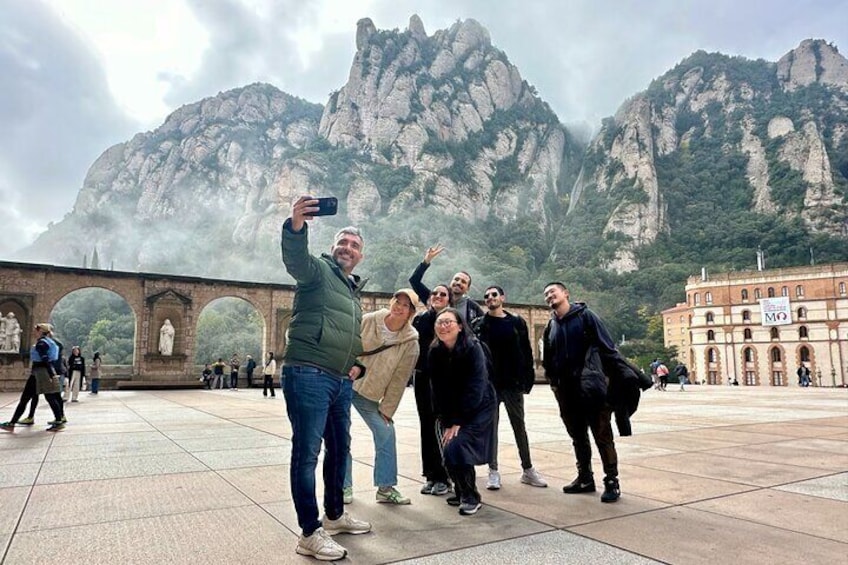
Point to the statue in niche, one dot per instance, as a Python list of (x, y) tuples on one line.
[(11, 332), (166, 338), (2, 332)]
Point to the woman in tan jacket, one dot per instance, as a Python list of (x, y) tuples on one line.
[(390, 350)]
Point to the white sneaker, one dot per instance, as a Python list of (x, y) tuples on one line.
[(345, 525), (532, 477), (494, 482), (320, 546)]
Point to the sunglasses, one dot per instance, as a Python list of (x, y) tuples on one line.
[(439, 293), (491, 295)]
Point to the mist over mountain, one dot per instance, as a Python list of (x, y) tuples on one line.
[(437, 138)]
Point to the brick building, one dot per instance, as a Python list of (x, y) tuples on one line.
[(757, 327)]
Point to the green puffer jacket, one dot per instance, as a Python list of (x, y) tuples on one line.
[(326, 319)]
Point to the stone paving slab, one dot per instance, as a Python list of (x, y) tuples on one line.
[(715, 474)]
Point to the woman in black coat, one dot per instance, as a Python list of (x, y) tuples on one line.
[(433, 469), (463, 403)]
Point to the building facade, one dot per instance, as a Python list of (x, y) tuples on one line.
[(758, 327), (676, 328)]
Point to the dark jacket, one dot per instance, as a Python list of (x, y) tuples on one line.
[(566, 345), (513, 367), (251, 365), (469, 310), (76, 363), (424, 323), (326, 317), (464, 396)]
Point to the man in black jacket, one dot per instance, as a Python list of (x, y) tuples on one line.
[(573, 329), (508, 341)]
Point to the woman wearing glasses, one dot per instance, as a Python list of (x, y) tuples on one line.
[(438, 299), (464, 405)]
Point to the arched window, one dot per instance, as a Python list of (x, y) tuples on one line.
[(775, 355), (842, 289), (681, 319), (711, 355), (784, 291), (757, 294), (804, 353), (697, 299), (668, 320), (748, 355), (710, 318), (803, 333), (747, 333), (802, 313), (708, 297), (744, 295), (799, 290), (775, 334), (746, 316), (770, 292), (710, 335)]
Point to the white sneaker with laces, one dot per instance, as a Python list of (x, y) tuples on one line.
[(532, 477), (320, 546), (494, 482), (345, 524)]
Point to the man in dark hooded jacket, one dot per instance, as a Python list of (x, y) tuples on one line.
[(581, 391)]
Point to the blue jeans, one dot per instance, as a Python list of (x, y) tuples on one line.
[(95, 385), (318, 406), (385, 444)]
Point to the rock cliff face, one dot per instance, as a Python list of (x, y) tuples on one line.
[(442, 123), (455, 111), (786, 119)]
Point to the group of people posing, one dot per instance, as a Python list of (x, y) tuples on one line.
[(466, 362), (48, 375)]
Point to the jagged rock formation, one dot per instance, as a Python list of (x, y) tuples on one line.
[(455, 111), (443, 125), (757, 109)]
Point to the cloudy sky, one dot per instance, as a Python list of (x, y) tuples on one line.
[(81, 75)]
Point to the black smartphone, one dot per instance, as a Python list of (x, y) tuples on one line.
[(328, 206)]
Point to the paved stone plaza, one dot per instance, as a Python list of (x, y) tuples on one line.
[(712, 475)]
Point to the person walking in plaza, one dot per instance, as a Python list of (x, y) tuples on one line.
[(44, 356), (235, 363), (433, 468), (391, 350), (319, 366), (508, 340), (682, 374), (250, 366), (662, 375), (464, 404), (572, 332), (76, 367), (459, 286), (268, 373), (96, 363)]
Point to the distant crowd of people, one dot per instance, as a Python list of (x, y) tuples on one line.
[(55, 376)]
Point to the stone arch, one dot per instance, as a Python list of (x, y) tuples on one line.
[(74, 331), (227, 325), (811, 357), (749, 361), (777, 366), (712, 364)]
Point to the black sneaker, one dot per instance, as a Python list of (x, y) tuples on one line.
[(453, 500), (612, 492), (578, 486), (470, 507)]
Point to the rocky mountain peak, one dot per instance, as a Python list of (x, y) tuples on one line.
[(455, 111), (813, 61)]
